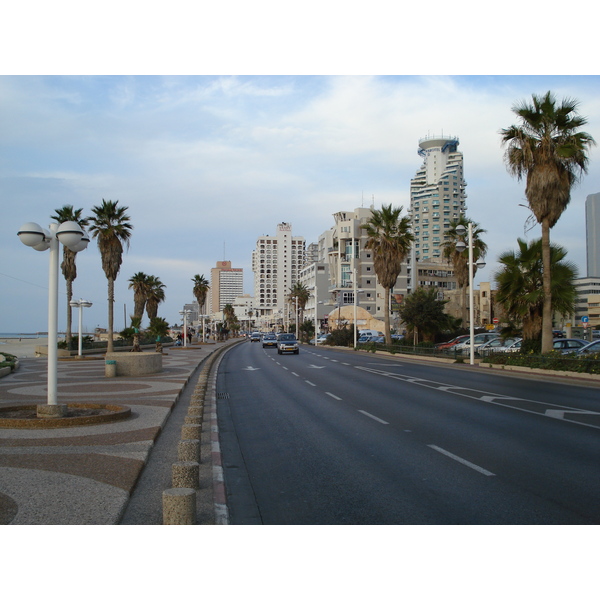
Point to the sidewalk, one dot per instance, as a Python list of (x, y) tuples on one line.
[(87, 474)]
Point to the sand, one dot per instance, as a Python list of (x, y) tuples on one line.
[(24, 348)]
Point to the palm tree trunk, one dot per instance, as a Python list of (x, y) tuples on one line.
[(111, 301), (547, 286), (388, 335)]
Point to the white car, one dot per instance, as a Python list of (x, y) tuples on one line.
[(481, 338), (497, 344)]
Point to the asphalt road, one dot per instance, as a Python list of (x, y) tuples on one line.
[(330, 437)]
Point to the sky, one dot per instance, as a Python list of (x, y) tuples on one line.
[(206, 164)]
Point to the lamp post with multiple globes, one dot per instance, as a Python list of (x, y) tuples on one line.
[(71, 235)]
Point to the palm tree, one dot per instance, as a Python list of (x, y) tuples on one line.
[(520, 290), (156, 295), (158, 328), (200, 291), (460, 259), (69, 270), (140, 285), (136, 323), (110, 225), (390, 239), (547, 148), (298, 296), (230, 321)]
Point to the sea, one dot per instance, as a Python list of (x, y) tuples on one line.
[(24, 336)]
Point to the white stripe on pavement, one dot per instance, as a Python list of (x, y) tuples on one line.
[(462, 461)]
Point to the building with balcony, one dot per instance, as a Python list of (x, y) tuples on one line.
[(276, 264), (226, 284)]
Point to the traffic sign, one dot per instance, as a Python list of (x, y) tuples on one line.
[(585, 319), (496, 321)]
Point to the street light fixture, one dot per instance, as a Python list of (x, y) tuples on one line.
[(460, 247), (81, 304), (71, 235), (185, 314)]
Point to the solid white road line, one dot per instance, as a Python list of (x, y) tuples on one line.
[(373, 417), (462, 461)]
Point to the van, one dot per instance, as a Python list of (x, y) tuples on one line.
[(370, 333)]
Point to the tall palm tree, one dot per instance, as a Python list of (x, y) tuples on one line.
[(547, 148), (390, 239), (111, 227), (230, 321), (460, 260), (298, 296), (139, 283), (69, 270), (156, 295), (200, 291), (520, 291)]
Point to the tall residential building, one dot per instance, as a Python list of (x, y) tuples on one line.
[(276, 263), (592, 234), (437, 195), (226, 284)]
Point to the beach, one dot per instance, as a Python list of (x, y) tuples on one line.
[(22, 348)]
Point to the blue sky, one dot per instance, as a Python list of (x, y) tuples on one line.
[(206, 164)]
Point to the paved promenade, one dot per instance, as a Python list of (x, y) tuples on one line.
[(107, 473)]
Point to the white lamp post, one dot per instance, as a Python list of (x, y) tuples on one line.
[(81, 304), (460, 246), (185, 314), (73, 237)]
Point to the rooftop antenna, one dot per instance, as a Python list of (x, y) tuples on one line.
[(224, 254), (373, 201)]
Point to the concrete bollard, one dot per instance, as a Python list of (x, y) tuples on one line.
[(179, 506), (188, 450), (186, 474), (191, 432), (192, 420), (110, 368)]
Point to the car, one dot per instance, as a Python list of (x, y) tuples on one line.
[(591, 348), (448, 346), (494, 345), (514, 347), (287, 342), (377, 339), (568, 345), (323, 338), (364, 339), (478, 339), (269, 339), (255, 337)]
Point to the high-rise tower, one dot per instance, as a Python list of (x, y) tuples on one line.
[(437, 195)]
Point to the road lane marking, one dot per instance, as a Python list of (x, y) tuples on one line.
[(333, 396), (310, 383), (296, 374), (347, 364), (462, 461), (364, 412)]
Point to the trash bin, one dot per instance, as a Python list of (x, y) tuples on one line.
[(110, 369)]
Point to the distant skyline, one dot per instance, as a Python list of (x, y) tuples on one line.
[(207, 164)]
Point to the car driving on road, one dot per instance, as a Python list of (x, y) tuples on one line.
[(287, 342), (269, 339)]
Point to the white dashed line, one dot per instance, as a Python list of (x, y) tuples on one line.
[(462, 461), (333, 396), (296, 374), (373, 417), (310, 383)]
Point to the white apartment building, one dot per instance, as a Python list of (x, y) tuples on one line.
[(437, 198), (351, 266), (276, 264)]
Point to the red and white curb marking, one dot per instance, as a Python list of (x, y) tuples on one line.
[(219, 495)]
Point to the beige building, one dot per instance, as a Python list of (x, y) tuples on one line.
[(226, 284)]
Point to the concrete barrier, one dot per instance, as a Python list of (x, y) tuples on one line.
[(186, 474), (188, 450), (135, 363), (179, 506), (191, 432)]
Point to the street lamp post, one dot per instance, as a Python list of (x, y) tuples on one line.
[(81, 304), (460, 246), (73, 237), (185, 314)]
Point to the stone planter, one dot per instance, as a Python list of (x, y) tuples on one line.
[(135, 363)]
